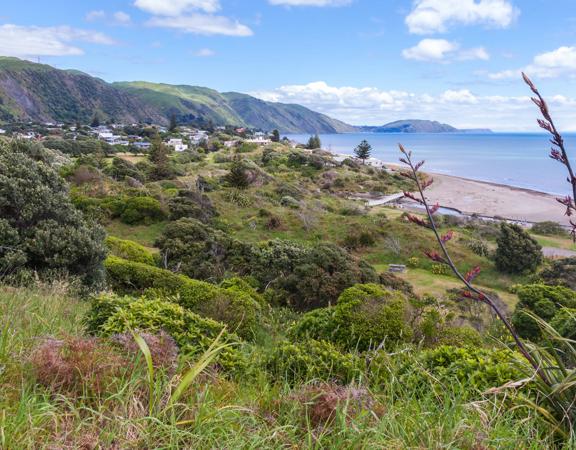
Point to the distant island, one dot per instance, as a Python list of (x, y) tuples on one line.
[(419, 126)]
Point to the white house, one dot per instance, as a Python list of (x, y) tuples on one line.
[(260, 140), (2, 131), (178, 145)]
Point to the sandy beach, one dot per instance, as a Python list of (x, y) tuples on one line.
[(490, 199)]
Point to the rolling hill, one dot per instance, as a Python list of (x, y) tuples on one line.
[(42, 93)]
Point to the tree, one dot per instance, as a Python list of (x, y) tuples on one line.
[(40, 229), (314, 142), (238, 176), (173, 123), (517, 251), (363, 151), (95, 120), (159, 157), (275, 136)]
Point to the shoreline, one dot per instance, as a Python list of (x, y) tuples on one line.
[(487, 199)]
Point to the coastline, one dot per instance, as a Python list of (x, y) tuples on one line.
[(489, 199)]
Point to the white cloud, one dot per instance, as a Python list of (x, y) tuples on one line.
[(204, 24), (441, 50), (122, 18), (30, 42), (461, 108), (430, 50), (557, 63), (433, 16), (204, 53), (92, 16), (177, 7), (310, 2)]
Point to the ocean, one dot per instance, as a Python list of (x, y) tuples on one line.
[(513, 159)]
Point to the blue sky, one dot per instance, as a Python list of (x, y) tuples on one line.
[(362, 61)]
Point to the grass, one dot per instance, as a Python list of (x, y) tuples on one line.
[(215, 412), (555, 242), (142, 234)]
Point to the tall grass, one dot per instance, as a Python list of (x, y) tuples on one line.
[(204, 410)]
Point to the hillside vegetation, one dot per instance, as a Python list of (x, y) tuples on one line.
[(247, 303)]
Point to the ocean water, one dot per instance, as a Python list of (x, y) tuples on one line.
[(513, 159)]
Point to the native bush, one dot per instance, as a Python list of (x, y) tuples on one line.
[(368, 315), (238, 307), (308, 276), (120, 169), (549, 228), (130, 251), (542, 301), (564, 322), (312, 360), (192, 204), (517, 251), (561, 272), (202, 252), (192, 333), (38, 221), (142, 210), (317, 324)]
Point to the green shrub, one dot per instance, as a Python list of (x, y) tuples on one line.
[(544, 302), (142, 210), (233, 306), (517, 251), (367, 315), (460, 337), (478, 247), (440, 269), (192, 333), (130, 251), (101, 308), (561, 272), (191, 204), (549, 228), (40, 229), (564, 322), (317, 324), (312, 360), (413, 262)]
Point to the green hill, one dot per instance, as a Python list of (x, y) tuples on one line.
[(39, 92)]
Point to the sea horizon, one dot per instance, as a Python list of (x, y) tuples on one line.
[(516, 159)]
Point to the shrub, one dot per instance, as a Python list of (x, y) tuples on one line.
[(317, 324), (191, 204), (544, 302), (120, 169), (103, 306), (192, 333), (309, 277), (561, 272), (478, 247), (142, 210), (312, 360), (359, 239), (440, 269), (396, 283), (368, 315), (564, 322), (238, 307), (202, 252), (549, 228), (40, 228), (130, 250), (517, 251), (238, 176), (413, 262)]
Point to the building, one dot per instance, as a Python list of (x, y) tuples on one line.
[(142, 145), (260, 140), (178, 145), (2, 131)]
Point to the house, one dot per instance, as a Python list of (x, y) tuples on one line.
[(178, 145), (260, 140), (142, 145), (231, 144), (2, 131)]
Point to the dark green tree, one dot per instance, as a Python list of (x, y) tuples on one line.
[(238, 175), (95, 120), (159, 157), (275, 136), (314, 142), (517, 251), (363, 151), (40, 229), (173, 123)]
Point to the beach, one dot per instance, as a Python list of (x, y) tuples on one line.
[(491, 199)]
